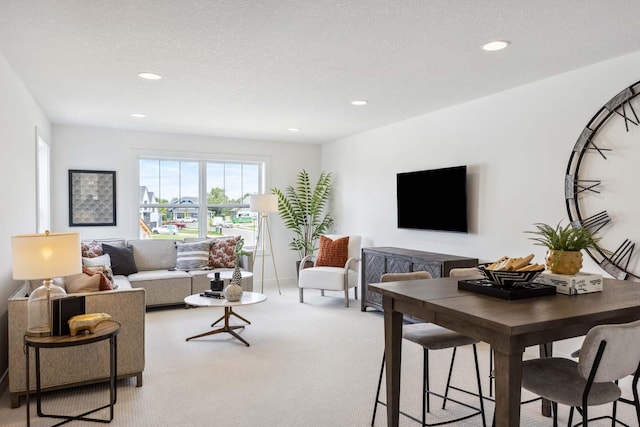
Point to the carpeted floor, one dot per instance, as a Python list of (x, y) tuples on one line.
[(311, 364)]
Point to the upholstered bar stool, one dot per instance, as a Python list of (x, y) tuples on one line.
[(433, 337)]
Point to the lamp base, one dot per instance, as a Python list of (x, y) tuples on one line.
[(39, 308)]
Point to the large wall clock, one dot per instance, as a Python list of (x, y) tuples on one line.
[(602, 183)]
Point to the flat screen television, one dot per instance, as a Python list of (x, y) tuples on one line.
[(434, 199)]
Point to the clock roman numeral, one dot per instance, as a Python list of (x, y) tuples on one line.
[(595, 222), (618, 263), (619, 104), (583, 185), (585, 142)]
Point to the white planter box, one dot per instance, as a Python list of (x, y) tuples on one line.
[(572, 284)]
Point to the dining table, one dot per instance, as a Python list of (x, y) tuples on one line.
[(508, 325)]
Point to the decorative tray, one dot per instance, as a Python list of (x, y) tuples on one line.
[(528, 290)]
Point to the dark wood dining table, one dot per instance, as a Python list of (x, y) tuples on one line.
[(508, 325)]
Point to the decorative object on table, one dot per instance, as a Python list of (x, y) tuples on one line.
[(521, 291), (572, 284), (510, 272), (86, 322), (217, 284), (64, 309), (46, 255), (233, 291), (564, 245), (264, 204), (302, 209), (508, 278), (92, 198)]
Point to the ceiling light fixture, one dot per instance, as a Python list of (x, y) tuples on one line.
[(360, 102), (496, 45), (149, 76), (294, 129), (138, 115)]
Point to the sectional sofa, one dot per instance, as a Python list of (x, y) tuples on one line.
[(156, 283)]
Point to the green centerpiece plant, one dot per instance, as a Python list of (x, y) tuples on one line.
[(564, 246)]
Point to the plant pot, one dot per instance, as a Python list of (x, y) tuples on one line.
[(563, 262)]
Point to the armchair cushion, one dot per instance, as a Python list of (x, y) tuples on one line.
[(332, 253)]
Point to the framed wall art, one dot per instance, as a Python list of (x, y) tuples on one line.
[(92, 198)]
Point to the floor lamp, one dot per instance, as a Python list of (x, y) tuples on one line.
[(264, 204)]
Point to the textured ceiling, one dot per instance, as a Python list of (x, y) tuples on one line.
[(254, 68)]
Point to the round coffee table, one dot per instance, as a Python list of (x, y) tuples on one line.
[(248, 298)]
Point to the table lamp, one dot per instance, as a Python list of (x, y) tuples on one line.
[(44, 256), (264, 204)]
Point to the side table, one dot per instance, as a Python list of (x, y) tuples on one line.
[(107, 329)]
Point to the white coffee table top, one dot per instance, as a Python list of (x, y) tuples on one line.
[(228, 274), (247, 299)]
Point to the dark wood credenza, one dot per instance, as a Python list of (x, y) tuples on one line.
[(379, 260)]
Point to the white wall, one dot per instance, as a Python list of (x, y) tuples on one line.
[(108, 149), (516, 145), (19, 117)]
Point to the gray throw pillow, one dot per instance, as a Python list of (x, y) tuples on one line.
[(122, 261), (193, 256)]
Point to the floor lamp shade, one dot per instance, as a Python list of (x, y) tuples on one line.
[(263, 203), (43, 257)]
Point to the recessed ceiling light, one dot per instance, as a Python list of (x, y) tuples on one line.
[(138, 115), (294, 129), (360, 102), (150, 76), (496, 45)]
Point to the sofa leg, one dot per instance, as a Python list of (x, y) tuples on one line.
[(321, 292), (15, 399), (301, 297), (139, 379)]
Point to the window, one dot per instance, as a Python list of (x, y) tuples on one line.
[(191, 198)]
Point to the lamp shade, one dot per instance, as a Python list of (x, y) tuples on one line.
[(47, 255), (263, 203)]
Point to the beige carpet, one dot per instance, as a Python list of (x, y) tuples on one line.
[(312, 364)]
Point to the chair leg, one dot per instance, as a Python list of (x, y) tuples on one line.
[(322, 292), (301, 297), (355, 292), (636, 399), (446, 390), (375, 404), (554, 408), (346, 297), (491, 376), (614, 412), (426, 407), (481, 399)]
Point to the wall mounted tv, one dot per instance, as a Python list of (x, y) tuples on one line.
[(443, 191)]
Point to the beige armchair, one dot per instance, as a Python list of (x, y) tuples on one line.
[(335, 268)]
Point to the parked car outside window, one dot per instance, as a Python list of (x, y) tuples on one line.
[(165, 229)]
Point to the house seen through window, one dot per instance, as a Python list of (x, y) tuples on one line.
[(197, 198)]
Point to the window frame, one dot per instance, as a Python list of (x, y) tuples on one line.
[(263, 164)]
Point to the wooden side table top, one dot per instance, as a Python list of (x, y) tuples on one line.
[(103, 330)]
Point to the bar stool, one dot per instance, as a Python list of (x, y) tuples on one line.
[(433, 337)]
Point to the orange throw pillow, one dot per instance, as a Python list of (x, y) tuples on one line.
[(333, 253)]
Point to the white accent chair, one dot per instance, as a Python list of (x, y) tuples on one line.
[(333, 278)]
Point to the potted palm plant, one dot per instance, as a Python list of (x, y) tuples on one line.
[(564, 245), (303, 210)]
